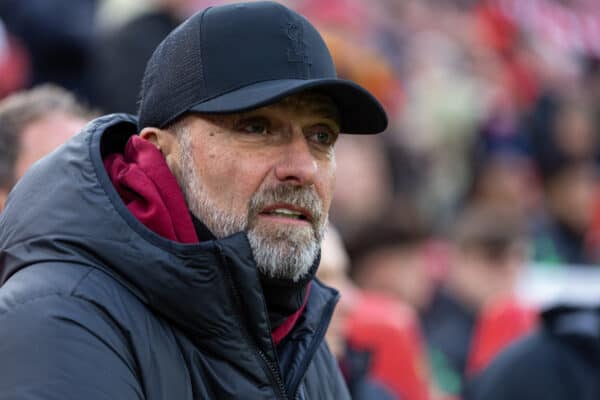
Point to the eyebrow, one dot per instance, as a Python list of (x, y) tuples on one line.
[(315, 102), (328, 111), (320, 108)]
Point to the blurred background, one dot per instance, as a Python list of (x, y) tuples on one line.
[(475, 210)]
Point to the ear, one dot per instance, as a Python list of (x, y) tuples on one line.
[(165, 141)]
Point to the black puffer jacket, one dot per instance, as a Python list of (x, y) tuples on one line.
[(96, 306)]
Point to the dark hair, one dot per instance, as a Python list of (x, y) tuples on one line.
[(489, 230), (399, 228), (19, 110)]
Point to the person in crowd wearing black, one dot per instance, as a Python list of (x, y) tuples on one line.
[(116, 82), (58, 36), (560, 361)]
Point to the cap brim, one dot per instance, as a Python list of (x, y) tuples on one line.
[(360, 112)]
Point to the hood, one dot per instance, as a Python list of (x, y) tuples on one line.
[(65, 209)]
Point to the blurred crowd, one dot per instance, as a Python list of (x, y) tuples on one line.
[(490, 163)]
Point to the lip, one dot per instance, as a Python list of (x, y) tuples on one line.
[(308, 217)]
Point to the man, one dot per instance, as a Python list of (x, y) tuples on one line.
[(32, 124), (178, 264)]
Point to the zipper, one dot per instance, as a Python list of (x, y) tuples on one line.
[(273, 370), (317, 340)]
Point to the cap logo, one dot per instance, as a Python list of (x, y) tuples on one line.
[(297, 50)]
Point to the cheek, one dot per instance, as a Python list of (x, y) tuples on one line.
[(219, 173), (327, 184), (232, 178)]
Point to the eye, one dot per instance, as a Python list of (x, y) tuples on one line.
[(255, 126), (323, 135)]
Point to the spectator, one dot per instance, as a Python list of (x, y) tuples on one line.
[(364, 168), (560, 361), (116, 82), (376, 338), (356, 364), (570, 195), (32, 124), (507, 181), (490, 249), (58, 36), (389, 258)]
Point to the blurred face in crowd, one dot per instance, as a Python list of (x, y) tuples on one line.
[(333, 271), (480, 275), (572, 194), (268, 171), (575, 133), (507, 181), (44, 135), (363, 170), (39, 138), (400, 271)]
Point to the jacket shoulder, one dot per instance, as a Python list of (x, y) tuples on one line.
[(36, 282), (55, 344)]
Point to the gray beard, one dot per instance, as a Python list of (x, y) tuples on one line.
[(284, 251)]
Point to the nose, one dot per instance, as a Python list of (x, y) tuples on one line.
[(297, 164)]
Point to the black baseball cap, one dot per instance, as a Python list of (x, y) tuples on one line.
[(238, 57)]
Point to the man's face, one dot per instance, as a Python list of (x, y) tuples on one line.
[(40, 138), (268, 171), (43, 136)]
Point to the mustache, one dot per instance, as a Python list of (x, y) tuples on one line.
[(304, 197)]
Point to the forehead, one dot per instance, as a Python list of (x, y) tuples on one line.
[(310, 102), (44, 135), (48, 132), (307, 104)]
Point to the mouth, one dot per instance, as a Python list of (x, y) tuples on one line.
[(288, 212)]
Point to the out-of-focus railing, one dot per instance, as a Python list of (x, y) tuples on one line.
[(544, 285)]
